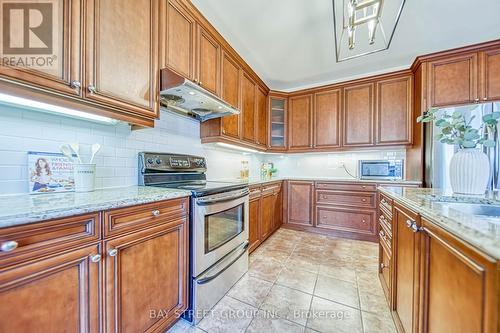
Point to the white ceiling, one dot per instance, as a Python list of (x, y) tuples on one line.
[(290, 43)]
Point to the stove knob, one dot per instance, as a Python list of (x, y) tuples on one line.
[(149, 160), (158, 161)]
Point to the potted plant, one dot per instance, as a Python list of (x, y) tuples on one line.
[(469, 167)]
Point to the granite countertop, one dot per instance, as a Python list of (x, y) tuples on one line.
[(438, 206), (26, 208), (258, 181)]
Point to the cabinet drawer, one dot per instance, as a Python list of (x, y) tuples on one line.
[(37, 239), (347, 186), (356, 199), (385, 239), (122, 220), (358, 221), (274, 188), (385, 205), (385, 271), (255, 191)]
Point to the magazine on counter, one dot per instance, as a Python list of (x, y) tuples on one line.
[(49, 173)]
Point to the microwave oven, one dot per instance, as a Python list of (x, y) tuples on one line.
[(381, 169)]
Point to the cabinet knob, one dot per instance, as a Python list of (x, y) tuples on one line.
[(364, 186), (91, 88), (95, 258), (382, 265), (415, 228), (8, 246), (223, 131), (323, 217), (112, 252), (200, 83), (485, 98), (409, 223), (155, 212), (324, 197), (75, 84), (476, 100), (363, 220), (364, 200)]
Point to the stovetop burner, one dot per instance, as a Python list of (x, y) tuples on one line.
[(182, 172)]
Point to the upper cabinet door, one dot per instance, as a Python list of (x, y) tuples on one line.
[(394, 111), (180, 44), (453, 81), (248, 113), (358, 115), (122, 55), (59, 58), (231, 93), (327, 111), (261, 116), (490, 71), (300, 122), (208, 52)]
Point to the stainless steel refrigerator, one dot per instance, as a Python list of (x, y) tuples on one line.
[(437, 155)]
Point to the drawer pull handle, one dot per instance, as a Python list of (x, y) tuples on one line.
[(95, 258), (9, 246), (112, 252), (155, 212)]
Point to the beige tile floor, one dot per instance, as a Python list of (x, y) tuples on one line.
[(302, 282)]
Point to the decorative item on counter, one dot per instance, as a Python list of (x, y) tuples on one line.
[(84, 173), (267, 170), (469, 166), (50, 172), (244, 172)]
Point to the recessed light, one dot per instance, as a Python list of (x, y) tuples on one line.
[(191, 93)]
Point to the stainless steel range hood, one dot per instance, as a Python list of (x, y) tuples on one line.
[(185, 97)]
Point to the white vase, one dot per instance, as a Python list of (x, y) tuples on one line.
[(469, 171)]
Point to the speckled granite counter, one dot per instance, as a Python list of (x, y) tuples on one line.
[(258, 181), (25, 208), (437, 206)]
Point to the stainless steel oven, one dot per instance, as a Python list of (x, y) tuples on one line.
[(220, 226)]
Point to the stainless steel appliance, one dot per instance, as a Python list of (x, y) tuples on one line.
[(381, 169), (189, 98), (438, 155), (218, 225)]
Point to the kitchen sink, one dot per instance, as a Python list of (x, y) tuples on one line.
[(491, 211)]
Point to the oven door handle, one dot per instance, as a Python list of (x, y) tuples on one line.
[(207, 201), (238, 256)]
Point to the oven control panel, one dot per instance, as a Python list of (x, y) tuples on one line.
[(171, 162)]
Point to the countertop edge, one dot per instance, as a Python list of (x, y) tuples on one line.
[(433, 219)]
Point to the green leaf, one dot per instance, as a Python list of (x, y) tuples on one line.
[(468, 144), (457, 114), (488, 143), (442, 123)]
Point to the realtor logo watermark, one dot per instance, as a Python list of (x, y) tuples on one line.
[(29, 33)]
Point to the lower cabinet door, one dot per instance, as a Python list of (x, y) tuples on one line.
[(52, 294), (254, 223), (267, 222), (278, 210), (458, 285), (406, 254), (146, 278)]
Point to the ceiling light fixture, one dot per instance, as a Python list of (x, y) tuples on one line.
[(363, 27), (32, 105)]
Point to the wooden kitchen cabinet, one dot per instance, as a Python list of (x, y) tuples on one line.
[(267, 218), (208, 62), (58, 293), (300, 122), (394, 104), (248, 108), (278, 208), (64, 76), (327, 121), (358, 115), (459, 285), (406, 258), (231, 93), (122, 55), (180, 37), (278, 122), (453, 80), (146, 271), (300, 203), (490, 74), (254, 225), (261, 115)]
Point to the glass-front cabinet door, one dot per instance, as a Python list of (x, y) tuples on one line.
[(277, 123)]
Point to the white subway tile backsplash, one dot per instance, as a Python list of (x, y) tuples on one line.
[(10, 173)]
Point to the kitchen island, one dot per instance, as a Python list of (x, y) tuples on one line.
[(438, 261)]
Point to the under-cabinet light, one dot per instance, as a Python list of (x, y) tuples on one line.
[(227, 145), (54, 109)]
